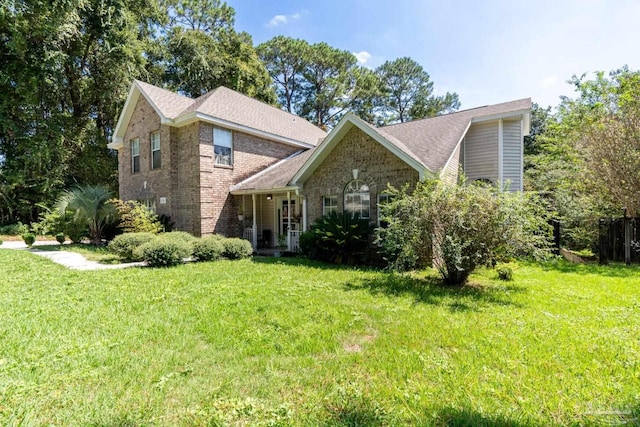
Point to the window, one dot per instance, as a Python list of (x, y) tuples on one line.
[(356, 198), (135, 155), (150, 204), (329, 204), (222, 147), (156, 158)]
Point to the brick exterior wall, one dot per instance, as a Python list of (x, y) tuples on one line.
[(250, 155), (376, 166), (148, 184), (196, 191)]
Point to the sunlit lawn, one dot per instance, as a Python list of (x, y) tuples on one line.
[(290, 342)]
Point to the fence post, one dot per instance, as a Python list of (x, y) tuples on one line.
[(603, 256), (627, 240)]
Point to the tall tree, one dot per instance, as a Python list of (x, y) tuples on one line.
[(408, 92), (284, 58), (326, 84), (606, 124), (200, 51), (66, 67)]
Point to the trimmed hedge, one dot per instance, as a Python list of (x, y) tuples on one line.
[(127, 245), (208, 248), (236, 248), (166, 251)]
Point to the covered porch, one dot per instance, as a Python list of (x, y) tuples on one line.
[(272, 219)]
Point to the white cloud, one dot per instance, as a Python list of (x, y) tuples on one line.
[(362, 56), (549, 81), (283, 19)]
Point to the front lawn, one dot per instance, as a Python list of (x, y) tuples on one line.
[(290, 342)]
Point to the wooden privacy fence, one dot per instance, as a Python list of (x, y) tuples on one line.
[(612, 239)]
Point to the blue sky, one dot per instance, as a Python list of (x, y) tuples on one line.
[(486, 51)]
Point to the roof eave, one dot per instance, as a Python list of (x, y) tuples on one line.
[(504, 115), (127, 111), (196, 116), (250, 191)]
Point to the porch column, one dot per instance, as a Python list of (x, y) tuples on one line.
[(304, 214), (254, 230), (289, 220)]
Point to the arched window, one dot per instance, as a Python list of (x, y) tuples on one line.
[(356, 198)]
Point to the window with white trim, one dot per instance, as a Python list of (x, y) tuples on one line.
[(135, 155), (357, 198), (329, 204), (156, 158), (222, 146)]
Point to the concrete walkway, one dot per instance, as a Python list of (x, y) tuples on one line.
[(71, 260)]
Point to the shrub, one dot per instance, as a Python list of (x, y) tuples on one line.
[(127, 246), (309, 244), (29, 239), (60, 238), (235, 248), (134, 217), (0, 242), (208, 248), (504, 273), (17, 229), (340, 238), (464, 225), (165, 251)]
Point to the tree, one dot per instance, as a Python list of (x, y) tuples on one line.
[(284, 59), (605, 119), (200, 50), (89, 206), (64, 73), (326, 86), (408, 92), (460, 227)]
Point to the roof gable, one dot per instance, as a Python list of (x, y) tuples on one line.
[(347, 122), (223, 107), (434, 139)]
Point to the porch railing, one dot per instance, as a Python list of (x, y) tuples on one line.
[(248, 235), (294, 238)]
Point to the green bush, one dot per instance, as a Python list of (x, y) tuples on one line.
[(341, 238), (134, 217), (29, 239), (464, 225), (165, 251), (208, 248), (60, 238), (504, 273), (235, 248), (127, 246), (0, 242), (17, 229)]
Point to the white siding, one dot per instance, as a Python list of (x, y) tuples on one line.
[(481, 152), (450, 172), (512, 154)]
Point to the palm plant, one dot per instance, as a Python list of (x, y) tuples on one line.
[(89, 206)]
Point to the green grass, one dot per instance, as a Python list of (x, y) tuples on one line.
[(290, 342)]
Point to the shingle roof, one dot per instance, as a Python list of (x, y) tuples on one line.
[(277, 176), (431, 141), (228, 105), (169, 103)]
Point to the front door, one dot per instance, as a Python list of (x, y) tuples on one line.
[(282, 217)]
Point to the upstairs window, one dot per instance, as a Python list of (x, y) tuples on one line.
[(357, 198), (156, 158), (135, 155), (222, 147), (329, 204)]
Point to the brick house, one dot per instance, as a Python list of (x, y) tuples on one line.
[(225, 163)]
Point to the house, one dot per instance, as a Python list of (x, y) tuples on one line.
[(225, 163)]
